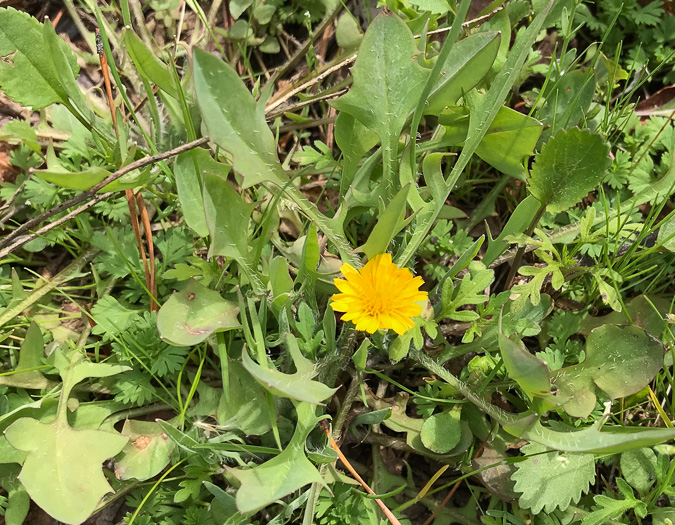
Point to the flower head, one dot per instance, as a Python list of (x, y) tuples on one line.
[(379, 296)]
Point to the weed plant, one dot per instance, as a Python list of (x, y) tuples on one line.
[(413, 245)]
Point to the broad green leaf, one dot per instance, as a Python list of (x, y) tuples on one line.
[(527, 426), (149, 66), (641, 314), (467, 64), (610, 440), (387, 79), (18, 501), (570, 165), (74, 367), (62, 58), (400, 421), (348, 32), (237, 7), (387, 85), (30, 78), (552, 481), (638, 467), (388, 225), (146, 453), (243, 407), (84, 180), (22, 132), (282, 474), (620, 361), (235, 121), (189, 171), (509, 140), (188, 317), (568, 100), (62, 472), (530, 372), (299, 385), (518, 222), (354, 140), (227, 218), (442, 432), (30, 356), (667, 234)]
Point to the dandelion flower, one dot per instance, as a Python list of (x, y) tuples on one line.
[(379, 296)]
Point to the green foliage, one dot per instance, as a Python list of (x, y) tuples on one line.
[(552, 480), (209, 409)]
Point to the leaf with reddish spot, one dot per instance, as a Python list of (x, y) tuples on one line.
[(194, 313)]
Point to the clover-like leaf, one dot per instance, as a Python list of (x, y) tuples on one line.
[(442, 432), (620, 361), (571, 164), (62, 471), (188, 317), (554, 480)]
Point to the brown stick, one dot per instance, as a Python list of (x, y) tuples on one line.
[(106, 78), (145, 218), (390, 516), (87, 195)]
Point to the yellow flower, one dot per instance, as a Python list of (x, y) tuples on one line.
[(379, 296)]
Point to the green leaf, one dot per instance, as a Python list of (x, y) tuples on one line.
[(400, 421), (146, 453), (62, 472), (469, 292), (388, 225), (568, 100), (638, 467), (530, 372), (641, 314), (518, 222), (235, 121), (149, 66), (354, 140), (282, 474), (189, 170), (30, 356), (21, 130), (610, 508), (569, 166), (666, 233), (509, 140), (387, 85), (387, 80), (30, 77), (188, 317), (348, 32), (299, 385), (620, 361), (84, 180), (552, 481), (467, 64), (18, 501), (227, 218), (62, 57), (243, 407), (442, 432)]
